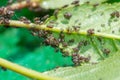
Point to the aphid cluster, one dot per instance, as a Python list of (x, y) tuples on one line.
[(50, 40), (77, 59), (115, 14), (5, 14), (82, 43)]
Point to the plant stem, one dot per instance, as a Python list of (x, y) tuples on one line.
[(24, 71), (14, 23), (19, 5), (23, 4)]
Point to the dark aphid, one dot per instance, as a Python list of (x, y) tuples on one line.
[(67, 15), (75, 2), (65, 6), (90, 31), (50, 25), (37, 20), (106, 51), (45, 17), (115, 14), (76, 49), (3, 68)]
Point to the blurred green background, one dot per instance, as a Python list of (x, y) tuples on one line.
[(19, 46)]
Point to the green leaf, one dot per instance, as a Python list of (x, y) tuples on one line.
[(93, 29), (53, 4), (106, 70)]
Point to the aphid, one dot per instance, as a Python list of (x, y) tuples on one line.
[(76, 59), (76, 49), (113, 31), (99, 38), (37, 20), (80, 44), (76, 28), (106, 51), (25, 20), (85, 42), (61, 35), (95, 5), (50, 25), (69, 30), (67, 15), (75, 2), (64, 44), (34, 33), (10, 13), (87, 2), (81, 59), (87, 59), (56, 13), (3, 68), (61, 40), (98, 31), (45, 17), (65, 6), (56, 49), (65, 53), (71, 41), (102, 25), (6, 21), (90, 31), (1, 10)]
